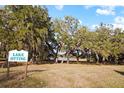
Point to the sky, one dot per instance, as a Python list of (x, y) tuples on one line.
[(91, 15)]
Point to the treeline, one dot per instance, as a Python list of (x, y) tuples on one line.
[(31, 28)]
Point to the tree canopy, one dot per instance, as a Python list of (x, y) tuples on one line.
[(31, 28)]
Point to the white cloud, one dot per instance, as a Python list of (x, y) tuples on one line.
[(80, 21), (106, 10), (94, 26), (118, 26), (119, 22), (88, 6), (59, 7)]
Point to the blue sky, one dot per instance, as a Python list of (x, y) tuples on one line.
[(90, 15)]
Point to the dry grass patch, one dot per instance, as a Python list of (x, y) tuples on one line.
[(69, 76)]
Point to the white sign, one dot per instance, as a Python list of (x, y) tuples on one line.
[(18, 56)]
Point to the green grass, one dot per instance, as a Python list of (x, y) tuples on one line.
[(65, 76)]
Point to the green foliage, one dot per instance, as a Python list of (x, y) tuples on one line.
[(65, 30), (30, 28), (25, 27)]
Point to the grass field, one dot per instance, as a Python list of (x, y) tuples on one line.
[(65, 76)]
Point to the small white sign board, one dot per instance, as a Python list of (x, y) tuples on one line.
[(18, 56)]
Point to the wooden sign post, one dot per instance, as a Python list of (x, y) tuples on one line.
[(18, 56), (7, 65), (8, 68), (26, 69)]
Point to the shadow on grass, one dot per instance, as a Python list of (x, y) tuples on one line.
[(36, 71), (29, 82), (12, 75), (120, 72), (16, 75)]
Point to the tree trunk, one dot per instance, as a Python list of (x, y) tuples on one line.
[(7, 63), (77, 60), (62, 59), (56, 57), (67, 58), (97, 59)]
